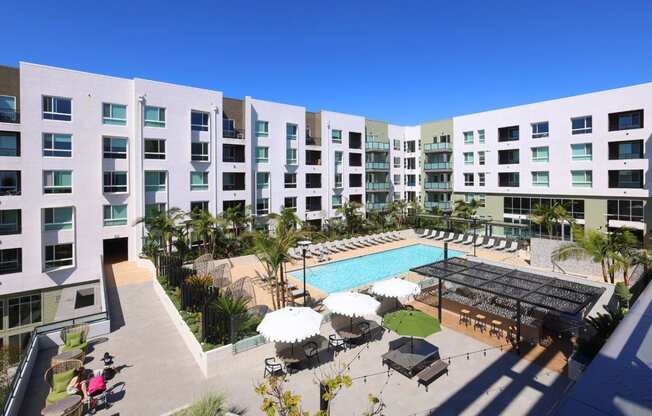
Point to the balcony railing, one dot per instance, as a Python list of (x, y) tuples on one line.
[(377, 165), (438, 204), (438, 166), (9, 116), (376, 146), (377, 205), (438, 185), (434, 147), (378, 186), (233, 133)]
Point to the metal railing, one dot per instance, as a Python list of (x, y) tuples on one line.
[(378, 186), (233, 133), (438, 204), (377, 165), (438, 166), (433, 147), (376, 146), (438, 185), (9, 116)]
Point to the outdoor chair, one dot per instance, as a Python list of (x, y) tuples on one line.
[(469, 240), (58, 377), (272, 368), (333, 248), (350, 245), (440, 235), (424, 234), (490, 243), (459, 240), (335, 343), (356, 242), (391, 236), (479, 241), (364, 330), (451, 237), (341, 246), (311, 350), (434, 370), (512, 247), (75, 337), (501, 245)]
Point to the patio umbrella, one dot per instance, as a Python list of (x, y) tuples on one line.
[(290, 325), (395, 288), (352, 304)]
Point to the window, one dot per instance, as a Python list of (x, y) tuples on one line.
[(540, 154), (291, 131), (84, 298), (115, 215), (233, 181), (233, 153), (336, 136), (468, 137), (582, 178), (509, 179), (625, 210), (11, 260), (199, 206), (10, 182), (540, 179), (626, 120), (355, 180), (154, 149), (262, 128), (313, 180), (8, 109), (632, 149), (290, 180), (9, 143), (508, 157), (10, 221), (632, 179), (115, 114), (55, 219), (582, 125), (468, 179), (539, 129), (338, 158), (508, 134), (57, 145), (57, 108), (291, 157), (313, 203), (397, 145), (115, 182), (481, 158), (355, 159), (337, 201), (262, 154), (24, 310), (152, 210), (338, 180), (57, 181), (313, 157), (481, 179), (198, 181), (115, 147), (397, 162), (582, 151), (262, 206), (155, 181), (154, 116), (481, 136), (58, 255), (198, 120), (468, 158), (481, 198), (262, 180), (397, 179), (290, 203), (524, 206), (199, 152)]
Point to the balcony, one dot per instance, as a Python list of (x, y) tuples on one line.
[(377, 205), (377, 165), (378, 186), (377, 146), (438, 166), (438, 185), (437, 147), (445, 205), (9, 116), (233, 133)]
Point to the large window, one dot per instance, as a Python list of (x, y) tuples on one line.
[(582, 178), (154, 149), (313, 180), (57, 108), (115, 215), (581, 125), (233, 153), (57, 181), (508, 134), (290, 203), (115, 182), (336, 136), (291, 156), (626, 120), (262, 128), (540, 154), (199, 120), (8, 109), (199, 206), (154, 116), (582, 151), (468, 137), (290, 180), (232, 181), (9, 143), (57, 145), (24, 310), (152, 210), (10, 182), (11, 260), (262, 154), (468, 158), (262, 180), (519, 209), (198, 181), (508, 157), (115, 147), (631, 149), (59, 255), (59, 218), (155, 181), (508, 179), (291, 131), (468, 179), (10, 220), (625, 210), (262, 206), (115, 114), (632, 179), (539, 129), (540, 179), (199, 152)]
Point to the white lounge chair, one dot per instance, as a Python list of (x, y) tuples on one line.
[(490, 243), (424, 234), (479, 241), (398, 236), (459, 240), (451, 237), (512, 247), (379, 238), (383, 237), (365, 242), (333, 248), (349, 244), (314, 250), (440, 235), (469, 240), (393, 236), (356, 242), (341, 246), (295, 255), (501, 245)]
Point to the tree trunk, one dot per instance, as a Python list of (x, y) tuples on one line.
[(605, 275), (626, 274)]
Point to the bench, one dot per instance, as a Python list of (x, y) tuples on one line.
[(434, 370)]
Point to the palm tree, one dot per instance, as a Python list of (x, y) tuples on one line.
[(204, 225), (465, 209), (398, 211), (547, 216), (238, 218), (163, 225), (354, 220)]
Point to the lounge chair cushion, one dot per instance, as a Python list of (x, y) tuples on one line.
[(81, 346), (74, 339), (54, 396), (60, 381)]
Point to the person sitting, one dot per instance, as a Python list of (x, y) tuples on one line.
[(79, 384)]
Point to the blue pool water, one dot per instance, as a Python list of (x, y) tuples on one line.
[(346, 274)]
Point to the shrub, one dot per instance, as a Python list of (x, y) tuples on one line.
[(623, 294), (212, 404)]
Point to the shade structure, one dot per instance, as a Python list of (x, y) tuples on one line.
[(352, 304), (290, 325), (395, 288)]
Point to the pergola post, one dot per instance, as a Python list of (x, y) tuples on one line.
[(518, 326), (439, 300)]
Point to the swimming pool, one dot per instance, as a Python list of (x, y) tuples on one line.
[(346, 274)]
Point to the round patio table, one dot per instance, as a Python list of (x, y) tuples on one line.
[(69, 406), (74, 354)]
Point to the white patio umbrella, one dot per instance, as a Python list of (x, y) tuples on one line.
[(395, 288), (352, 304), (290, 325)]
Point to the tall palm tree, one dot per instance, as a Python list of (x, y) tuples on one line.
[(164, 225), (398, 211), (465, 209), (204, 225), (549, 215), (354, 220), (238, 218)]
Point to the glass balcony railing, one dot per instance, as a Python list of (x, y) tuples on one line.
[(438, 166), (438, 204), (434, 147), (377, 165), (438, 185), (377, 205), (378, 186), (376, 146)]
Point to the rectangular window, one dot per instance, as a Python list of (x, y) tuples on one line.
[(198, 181), (10, 221), (632, 179), (481, 179), (11, 260), (290, 180), (8, 109), (581, 125), (115, 147), (57, 181), (233, 153), (509, 179), (57, 108), (155, 181), (199, 120), (115, 215), (152, 210), (338, 158), (632, 149), (397, 162), (262, 180), (397, 179), (198, 206), (262, 206), (291, 156), (540, 154), (199, 152), (468, 158), (540, 179), (508, 134), (115, 114), (57, 218), (154, 149), (481, 158), (337, 201), (338, 180), (290, 203), (625, 210), (582, 151), (397, 145), (508, 157), (115, 182), (291, 131), (582, 178), (313, 180), (336, 136), (58, 255), (626, 120), (10, 182), (9, 143), (154, 116), (539, 129), (84, 298), (24, 310), (262, 128), (468, 137), (57, 145), (481, 136), (262, 154), (468, 179)]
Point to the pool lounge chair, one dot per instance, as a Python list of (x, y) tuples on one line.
[(315, 251), (460, 239), (340, 244), (451, 237), (490, 243), (424, 234), (512, 247), (433, 234), (392, 236), (295, 255), (396, 236), (501, 245), (441, 235), (332, 247), (469, 240), (479, 241), (356, 242), (349, 244), (377, 239), (365, 242)]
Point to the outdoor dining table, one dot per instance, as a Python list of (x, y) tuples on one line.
[(412, 356)]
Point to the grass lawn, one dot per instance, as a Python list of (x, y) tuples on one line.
[(411, 323)]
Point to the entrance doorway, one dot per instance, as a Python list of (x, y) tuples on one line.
[(116, 250)]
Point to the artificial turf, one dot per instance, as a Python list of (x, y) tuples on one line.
[(411, 323)]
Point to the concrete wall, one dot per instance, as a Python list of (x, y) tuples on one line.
[(541, 250)]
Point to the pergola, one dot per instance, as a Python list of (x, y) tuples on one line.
[(551, 294)]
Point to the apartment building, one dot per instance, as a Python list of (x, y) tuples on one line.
[(436, 164), (588, 152)]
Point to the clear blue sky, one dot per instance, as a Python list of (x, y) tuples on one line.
[(400, 61)]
